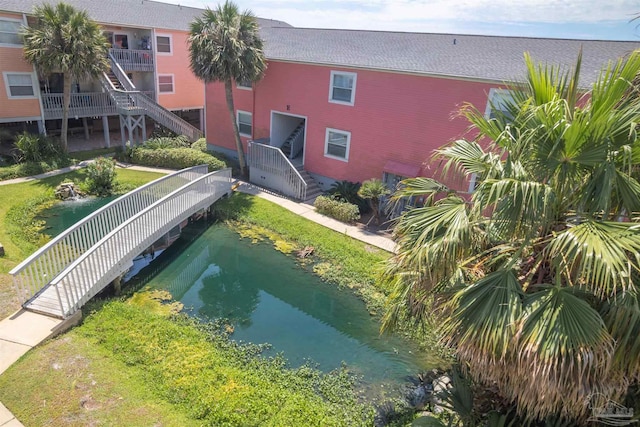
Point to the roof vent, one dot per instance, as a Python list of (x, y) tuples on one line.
[(454, 41)]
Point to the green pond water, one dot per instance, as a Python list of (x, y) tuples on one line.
[(64, 214), (268, 297)]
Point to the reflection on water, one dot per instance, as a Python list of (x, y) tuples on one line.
[(269, 298)]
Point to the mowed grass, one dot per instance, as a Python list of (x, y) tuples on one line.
[(129, 365), (20, 198), (70, 381)]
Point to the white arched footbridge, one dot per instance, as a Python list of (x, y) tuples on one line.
[(63, 275)]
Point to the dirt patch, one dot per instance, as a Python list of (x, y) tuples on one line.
[(369, 224)]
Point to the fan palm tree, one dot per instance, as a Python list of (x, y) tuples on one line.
[(534, 276), (372, 190), (65, 40), (224, 46)]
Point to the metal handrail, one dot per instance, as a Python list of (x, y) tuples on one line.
[(121, 75), (288, 179), (114, 253), (297, 142), (39, 268)]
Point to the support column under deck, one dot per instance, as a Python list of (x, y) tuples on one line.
[(85, 126), (105, 130), (133, 124)]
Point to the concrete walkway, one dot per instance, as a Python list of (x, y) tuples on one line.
[(308, 211), (24, 330)]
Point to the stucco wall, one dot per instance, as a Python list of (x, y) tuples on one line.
[(12, 60), (395, 116), (188, 90)]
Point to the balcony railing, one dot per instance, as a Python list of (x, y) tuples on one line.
[(92, 104), (82, 105), (133, 60)]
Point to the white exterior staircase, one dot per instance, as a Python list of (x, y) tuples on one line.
[(129, 99)]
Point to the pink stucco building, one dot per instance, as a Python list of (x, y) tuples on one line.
[(354, 105), (149, 58)]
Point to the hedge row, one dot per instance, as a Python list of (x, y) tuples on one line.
[(342, 211), (175, 158)]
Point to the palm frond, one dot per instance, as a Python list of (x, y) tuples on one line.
[(597, 255), (563, 353), (483, 319), (622, 317)]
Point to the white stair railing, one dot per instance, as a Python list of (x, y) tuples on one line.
[(166, 117), (114, 253), (154, 110), (297, 142), (35, 272), (117, 70), (270, 168)]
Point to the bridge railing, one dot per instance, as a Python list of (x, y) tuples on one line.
[(114, 254), (35, 272)]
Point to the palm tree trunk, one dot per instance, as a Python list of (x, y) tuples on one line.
[(234, 122), (66, 100)]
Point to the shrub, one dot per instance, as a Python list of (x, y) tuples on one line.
[(33, 168), (166, 142), (347, 191), (200, 145), (175, 158), (36, 148), (101, 175), (342, 211)]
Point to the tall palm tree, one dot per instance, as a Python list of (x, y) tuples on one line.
[(534, 277), (224, 46), (65, 40)]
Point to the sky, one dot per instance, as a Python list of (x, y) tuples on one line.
[(580, 19)]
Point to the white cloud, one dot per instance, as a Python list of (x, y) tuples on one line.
[(433, 15)]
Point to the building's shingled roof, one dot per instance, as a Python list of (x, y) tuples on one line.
[(475, 57), (468, 56), (134, 13)]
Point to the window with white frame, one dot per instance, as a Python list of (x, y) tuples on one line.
[(165, 83), (19, 85), (497, 101), (163, 44), (336, 144), (10, 32), (245, 127), (474, 181), (342, 89), (244, 84)]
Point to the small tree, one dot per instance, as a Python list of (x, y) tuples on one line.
[(65, 40), (224, 46), (373, 190)]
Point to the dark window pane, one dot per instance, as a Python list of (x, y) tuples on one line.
[(21, 90), (343, 95), (337, 150)]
